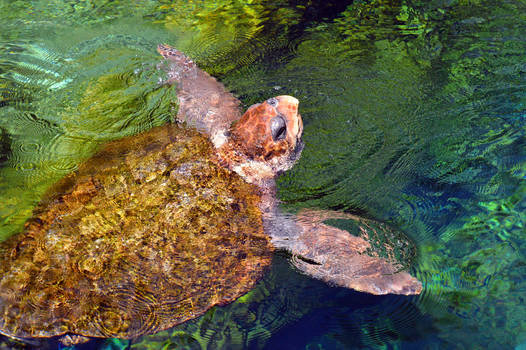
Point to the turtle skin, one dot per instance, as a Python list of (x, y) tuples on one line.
[(146, 234)]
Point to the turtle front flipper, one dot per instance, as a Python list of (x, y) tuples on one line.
[(181, 66), (203, 102), (353, 252)]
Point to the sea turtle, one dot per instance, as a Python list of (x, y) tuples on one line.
[(157, 228)]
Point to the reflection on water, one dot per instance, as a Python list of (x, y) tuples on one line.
[(303, 313), (414, 114)]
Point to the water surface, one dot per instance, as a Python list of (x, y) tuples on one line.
[(414, 115)]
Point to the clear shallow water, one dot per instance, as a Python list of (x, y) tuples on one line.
[(414, 114)]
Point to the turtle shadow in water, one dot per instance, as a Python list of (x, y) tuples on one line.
[(54, 343), (8, 343), (348, 319)]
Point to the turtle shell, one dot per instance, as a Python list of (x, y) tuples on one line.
[(146, 234)]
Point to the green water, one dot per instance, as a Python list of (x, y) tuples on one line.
[(414, 114)]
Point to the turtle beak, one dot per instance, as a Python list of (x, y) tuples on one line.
[(288, 99), (288, 107)]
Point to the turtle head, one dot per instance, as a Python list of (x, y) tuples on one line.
[(269, 136)]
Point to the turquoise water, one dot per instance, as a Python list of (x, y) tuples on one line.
[(414, 114)]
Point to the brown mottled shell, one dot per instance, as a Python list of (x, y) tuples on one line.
[(148, 233)]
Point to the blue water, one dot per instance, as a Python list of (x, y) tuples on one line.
[(414, 115)]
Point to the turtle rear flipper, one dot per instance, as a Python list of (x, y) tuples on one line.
[(73, 339)]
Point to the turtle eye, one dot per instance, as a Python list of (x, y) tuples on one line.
[(278, 128), (273, 102)]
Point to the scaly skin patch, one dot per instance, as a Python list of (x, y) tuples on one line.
[(252, 133), (253, 152)]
